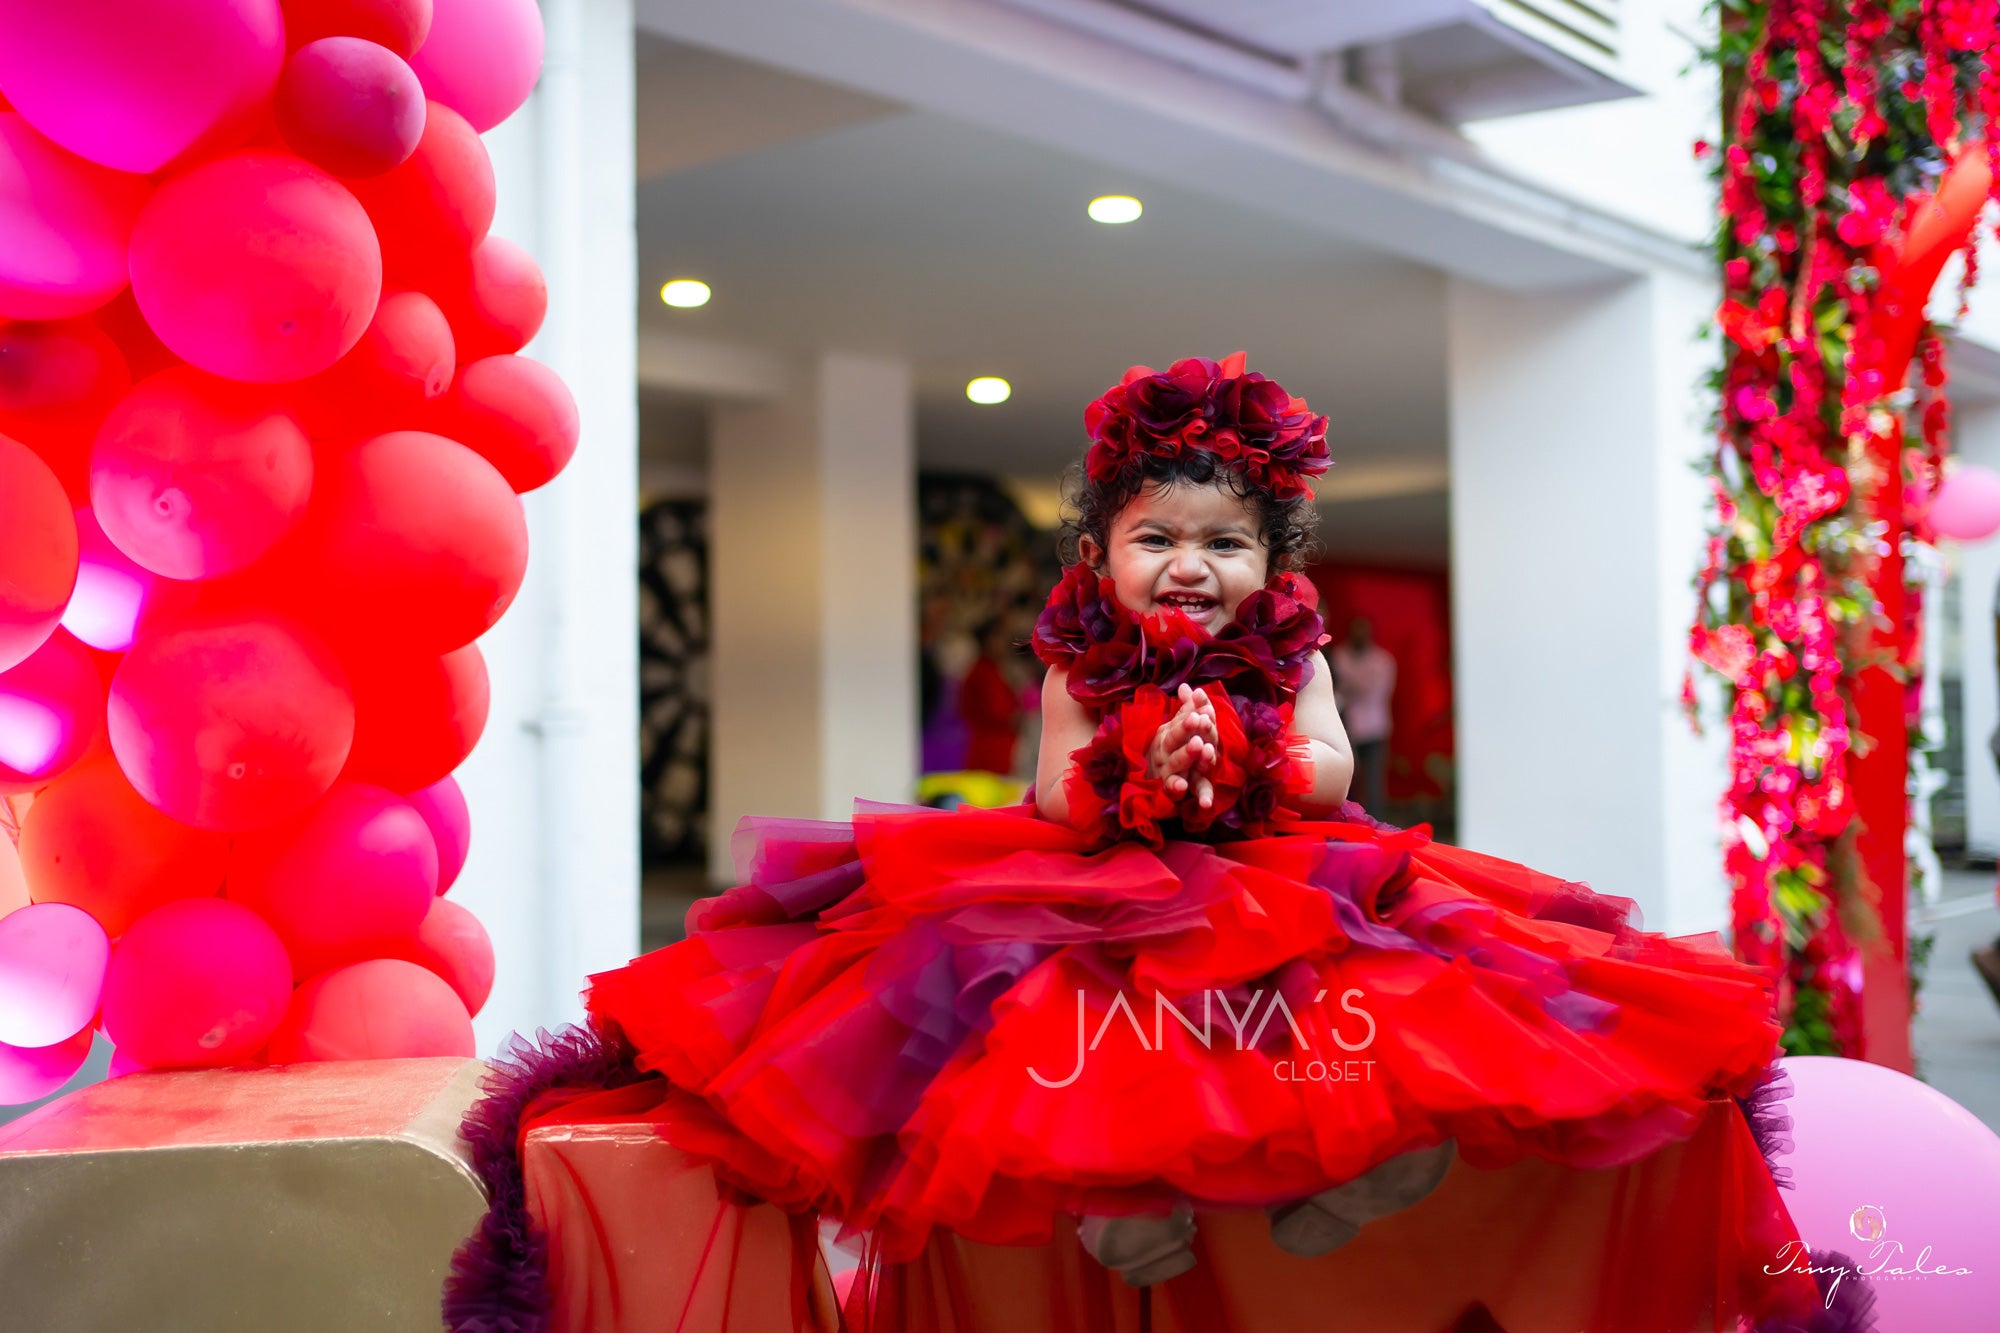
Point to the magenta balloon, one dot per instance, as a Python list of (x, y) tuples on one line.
[(1967, 505), (350, 879), (65, 226), (231, 723), (1884, 1166), (37, 552), (114, 597), (442, 804), (133, 84), (482, 57), (350, 107), (52, 961), (198, 981), (256, 266), (28, 1074), (51, 712), (194, 476)]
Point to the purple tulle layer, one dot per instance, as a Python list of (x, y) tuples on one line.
[(1850, 1309), (499, 1278), (1764, 1109)]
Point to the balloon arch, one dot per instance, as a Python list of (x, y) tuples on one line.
[(263, 430)]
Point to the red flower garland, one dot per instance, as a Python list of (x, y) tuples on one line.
[(1843, 115)]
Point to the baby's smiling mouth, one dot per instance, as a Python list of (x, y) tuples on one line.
[(1189, 603)]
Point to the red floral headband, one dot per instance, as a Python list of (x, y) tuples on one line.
[(1242, 418)]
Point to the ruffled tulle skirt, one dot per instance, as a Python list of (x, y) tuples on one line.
[(969, 1021)]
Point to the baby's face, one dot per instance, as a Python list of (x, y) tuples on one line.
[(1191, 547)]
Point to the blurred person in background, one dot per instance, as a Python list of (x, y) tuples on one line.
[(1364, 681)]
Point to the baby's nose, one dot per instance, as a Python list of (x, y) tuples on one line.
[(1188, 565)]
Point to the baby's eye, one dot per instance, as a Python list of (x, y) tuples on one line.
[(1151, 539), (1227, 544)]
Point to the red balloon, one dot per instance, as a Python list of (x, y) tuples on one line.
[(194, 476), (435, 207), (51, 710), (442, 804), (350, 879), (125, 324), (383, 1009), (400, 25), (399, 369), (515, 413), (201, 981), (350, 107), (231, 722), (256, 266), (415, 718), (412, 540), (496, 299), (37, 552), (91, 841), (57, 382), (453, 944)]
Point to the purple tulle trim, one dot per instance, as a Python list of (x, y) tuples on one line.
[(499, 1277), (1851, 1308), (1770, 1124)]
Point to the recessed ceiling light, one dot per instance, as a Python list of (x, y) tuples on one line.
[(685, 293), (1115, 208), (988, 389)]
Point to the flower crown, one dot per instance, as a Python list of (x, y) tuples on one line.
[(1242, 418)]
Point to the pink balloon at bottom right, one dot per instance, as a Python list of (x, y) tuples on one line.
[(1902, 1180), (1967, 505)]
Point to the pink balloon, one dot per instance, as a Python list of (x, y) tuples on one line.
[(495, 298), (52, 961), (51, 712), (1884, 1166), (350, 879), (400, 25), (114, 597), (1967, 505), (28, 1074), (390, 381), (122, 1064), (198, 981), (482, 57), (194, 476), (453, 944), (382, 1009), (515, 413), (442, 804), (37, 554), (412, 540), (231, 722), (65, 226), (134, 84), (256, 266), (349, 106)]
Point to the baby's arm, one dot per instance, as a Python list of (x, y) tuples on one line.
[(1316, 717), (1066, 726)]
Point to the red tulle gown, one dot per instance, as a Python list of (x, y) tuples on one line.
[(956, 1032)]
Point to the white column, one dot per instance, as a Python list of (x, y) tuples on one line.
[(813, 560), (1976, 439), (1576, 529), (553, 786)]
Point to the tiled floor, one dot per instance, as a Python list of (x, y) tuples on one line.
[(1958, 1024)]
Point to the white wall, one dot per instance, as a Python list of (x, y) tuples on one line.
[(553, 786), (1576, 525), (812, 521), (1977, 440)]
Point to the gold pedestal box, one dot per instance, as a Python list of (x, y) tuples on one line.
[(319, 1198)]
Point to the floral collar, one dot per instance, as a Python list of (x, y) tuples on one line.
[(1110, 651)]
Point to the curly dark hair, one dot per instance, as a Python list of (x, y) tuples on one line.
[(1288, 527)]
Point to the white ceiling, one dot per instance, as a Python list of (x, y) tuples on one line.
[(968, 253)]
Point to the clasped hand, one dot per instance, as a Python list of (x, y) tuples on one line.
[(1184, 750)]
